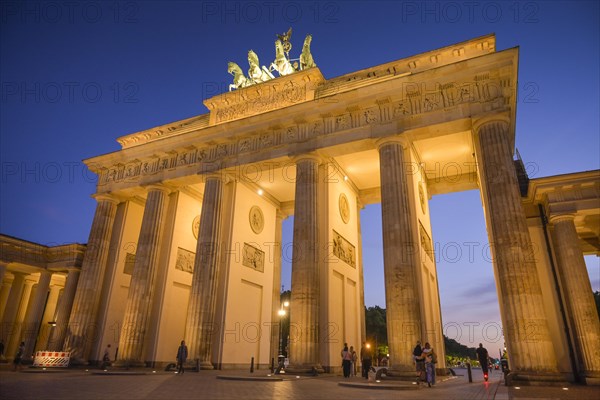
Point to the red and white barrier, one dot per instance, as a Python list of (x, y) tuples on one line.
[(51, 359)]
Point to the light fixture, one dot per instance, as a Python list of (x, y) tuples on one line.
[(52, 323), (260, 192), (286, 303), (345, 177), (281, 312)]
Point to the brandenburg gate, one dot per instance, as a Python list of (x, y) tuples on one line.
[(186, 238)]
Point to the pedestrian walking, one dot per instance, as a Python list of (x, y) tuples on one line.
[(106, 357), (365, 359), (19, 357)]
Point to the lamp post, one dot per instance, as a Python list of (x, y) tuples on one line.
[(282, 314)]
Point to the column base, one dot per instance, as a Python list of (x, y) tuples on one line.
[(530, 378), (305, 369), (204, 365), (78, 362), (129, 364), (591, 379), (401, 373)]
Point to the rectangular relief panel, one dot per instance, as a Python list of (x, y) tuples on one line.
[(253, 258), (344, 250), (185, 260)]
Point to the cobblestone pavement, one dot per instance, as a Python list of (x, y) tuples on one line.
[(79, 384)]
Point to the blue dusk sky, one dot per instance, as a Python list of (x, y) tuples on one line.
[(76, 76)]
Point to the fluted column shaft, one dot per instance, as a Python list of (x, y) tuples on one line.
[(49, 312), (361, 275), (304, 307), (34, 314), (276, 302), (525, 324), (139, 298), (15, 333), (578, 295), (63, 310), (5, 288), (200, 326), (81, 331), (12, 306), (399, 258)]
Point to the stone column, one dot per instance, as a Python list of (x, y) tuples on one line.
[(276, 303), (17, 326), (11, 308), (200, 326), (139, 299), (361, 276), (81, 331), (581, 308), (34, 314), (63, 311), (3, 269), (49, 312), (304, 307), (399, 257), (6, 284), (525, 326)]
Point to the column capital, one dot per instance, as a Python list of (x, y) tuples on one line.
[(308, 156), (158, 187), (9, 277), (561, 217), (279, 214), (478, 123), (105, 197), (401, 140)]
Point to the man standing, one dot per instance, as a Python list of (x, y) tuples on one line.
[(182, 353), (419, 362), (365, 359)]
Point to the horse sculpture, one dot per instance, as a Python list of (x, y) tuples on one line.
[(281, 64), (306, 58), (255, 73), (239, 80)]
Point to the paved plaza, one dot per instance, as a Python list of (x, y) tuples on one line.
[(81, 384)]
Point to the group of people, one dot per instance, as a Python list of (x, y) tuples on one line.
[(350, 360), (425, 360)]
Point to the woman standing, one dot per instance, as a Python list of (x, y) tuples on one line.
[(346, 361), (429, 358)]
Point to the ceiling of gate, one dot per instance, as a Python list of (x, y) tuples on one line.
[(446, 159)]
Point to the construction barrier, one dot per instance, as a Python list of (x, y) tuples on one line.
[(51, 359)]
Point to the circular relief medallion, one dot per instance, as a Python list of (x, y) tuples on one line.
[(344, 208), (422, 197), (257, 220), (196, 226)]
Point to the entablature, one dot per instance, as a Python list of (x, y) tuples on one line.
[(472, 87)]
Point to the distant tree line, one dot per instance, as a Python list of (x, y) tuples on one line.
[(376, 326)]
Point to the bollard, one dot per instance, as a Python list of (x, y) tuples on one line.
[(272, 364), (252, 365), (469, 372)]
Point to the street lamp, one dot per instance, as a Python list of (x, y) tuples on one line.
[(282, 314)]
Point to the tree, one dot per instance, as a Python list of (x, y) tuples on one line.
[(376, 324)]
